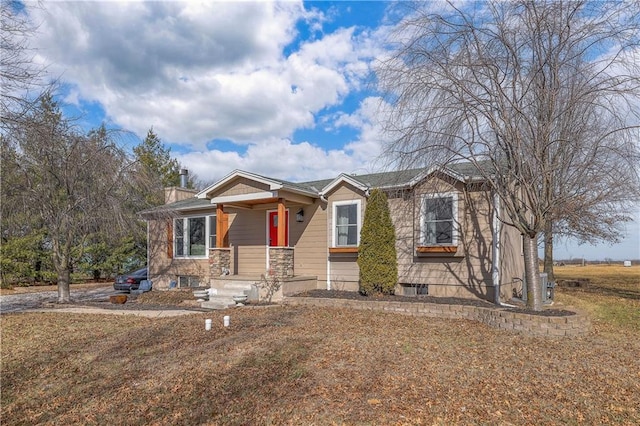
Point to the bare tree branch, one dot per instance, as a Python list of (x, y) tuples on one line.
[(543, 97)]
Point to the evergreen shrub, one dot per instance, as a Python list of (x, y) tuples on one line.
[(377, 251)]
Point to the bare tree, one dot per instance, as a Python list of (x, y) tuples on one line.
[(542, 96), (20, 78), (73, 184)]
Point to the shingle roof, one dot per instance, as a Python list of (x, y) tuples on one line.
[(397, 178), (191, 203)]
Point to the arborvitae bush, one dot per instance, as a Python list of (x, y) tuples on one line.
[(377, 252)]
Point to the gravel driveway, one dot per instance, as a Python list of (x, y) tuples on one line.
[(24, 301)]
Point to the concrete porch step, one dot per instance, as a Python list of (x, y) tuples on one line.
[(218, 302), (223, 298), (242, 285), (229, 292)]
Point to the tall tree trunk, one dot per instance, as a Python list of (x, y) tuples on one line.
[(531, 273), (61, 264), (548, 251), (64, 278)]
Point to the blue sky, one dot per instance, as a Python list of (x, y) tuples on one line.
[(281, 89)]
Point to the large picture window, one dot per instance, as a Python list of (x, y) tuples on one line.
[(190, 236), (346, 223), (439, 220)]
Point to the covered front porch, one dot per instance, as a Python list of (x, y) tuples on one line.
[(260, 226)]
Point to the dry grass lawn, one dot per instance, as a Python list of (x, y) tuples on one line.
[(291, 365), (611, 296)]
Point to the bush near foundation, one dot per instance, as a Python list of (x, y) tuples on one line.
[(377, 251)]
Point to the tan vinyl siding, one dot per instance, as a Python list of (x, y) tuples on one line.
[(310, 240), (511, 262), (247, 236), (162, 268), (344, 270), (345, 274), (241, 186), (467, 272)]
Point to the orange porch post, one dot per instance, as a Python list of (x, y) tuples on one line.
[(222, 227), (282, 227)]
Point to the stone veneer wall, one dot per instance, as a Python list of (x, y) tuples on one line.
[(219, 260), (281, 261), (534, 325)]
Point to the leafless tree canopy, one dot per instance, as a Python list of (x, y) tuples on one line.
[(71, 185), (20, 78), (543, 96)]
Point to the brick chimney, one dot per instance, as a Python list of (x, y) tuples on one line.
[(179, 193)]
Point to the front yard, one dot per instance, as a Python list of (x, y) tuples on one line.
[(294, 365)]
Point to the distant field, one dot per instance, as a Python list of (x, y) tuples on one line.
[(612, 294)]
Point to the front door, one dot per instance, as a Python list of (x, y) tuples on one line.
[(273, 229)]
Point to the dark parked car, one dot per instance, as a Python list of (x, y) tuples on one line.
[(130, 281)]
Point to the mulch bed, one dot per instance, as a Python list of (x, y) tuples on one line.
[(181, 300), (354, 295)]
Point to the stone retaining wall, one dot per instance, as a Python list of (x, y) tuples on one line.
[(533, 325)]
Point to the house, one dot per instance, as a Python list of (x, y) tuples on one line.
[(450, 240)]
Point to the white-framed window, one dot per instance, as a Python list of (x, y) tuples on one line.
[(212, 231), (439, 224), (346, 223), (192, 236)]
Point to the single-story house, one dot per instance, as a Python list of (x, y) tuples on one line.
[(450, 239)]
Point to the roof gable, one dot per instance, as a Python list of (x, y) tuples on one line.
[(273, 184), (344, 178)]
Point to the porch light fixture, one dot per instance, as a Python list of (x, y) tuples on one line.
[(300, 216)]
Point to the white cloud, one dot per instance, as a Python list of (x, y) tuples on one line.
[(368, 148), (282, 158), (278, 158), (201, 71)]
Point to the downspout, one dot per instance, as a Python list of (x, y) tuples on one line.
[(495, 248)]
